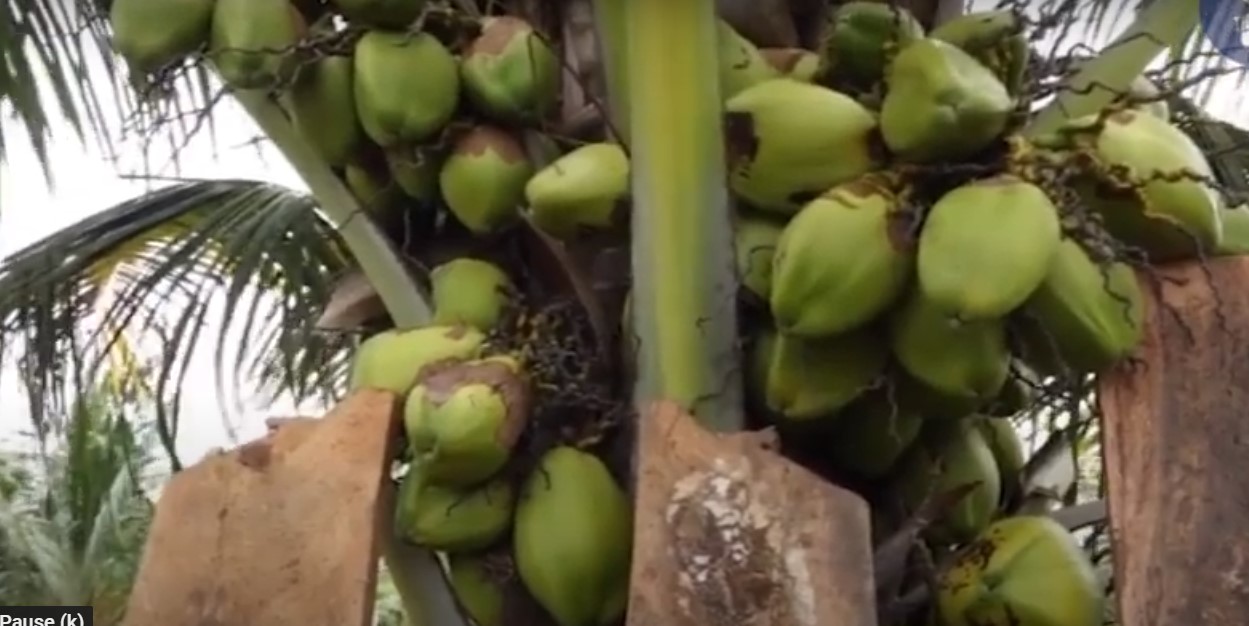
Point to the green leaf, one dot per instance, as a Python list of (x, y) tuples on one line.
[(155, 267)]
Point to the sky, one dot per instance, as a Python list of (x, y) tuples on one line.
[(87, 182)]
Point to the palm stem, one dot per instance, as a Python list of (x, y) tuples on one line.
[(611, 26), (685, 286), (416, 572), (377, 256)]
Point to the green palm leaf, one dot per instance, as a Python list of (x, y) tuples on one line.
[(157, 267), (57, 65)]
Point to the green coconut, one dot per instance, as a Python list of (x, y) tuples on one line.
[(741, 63), (479, 592), (323, 108), (814, 379), (150, 34), (469, 291), (253, 42), (962, 360), (453, 519), (858, 39), (581, 189), (407, 86), (415, 170), (393, 360), (950, 455), (755, 235), (941, 103), (372, 187)]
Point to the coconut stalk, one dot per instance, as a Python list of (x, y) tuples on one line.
[(684, 281), (379, 260), (1163, 25), (416, 572), (611, 26)]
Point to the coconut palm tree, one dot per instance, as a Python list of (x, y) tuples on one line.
[(158, 261)]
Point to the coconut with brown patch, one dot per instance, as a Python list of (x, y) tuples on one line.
[(841, 261), (582, 190), (1155, 190), (483, 180), (787, 142), (394, 359), (1025, 570), (464, 418), (510, 72), (796, 63)]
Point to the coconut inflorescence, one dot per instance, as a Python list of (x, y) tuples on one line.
[(914, 274)]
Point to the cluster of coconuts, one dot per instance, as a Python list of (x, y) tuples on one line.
[(400, 115), (562, 527), (404, 119), (916, 272)]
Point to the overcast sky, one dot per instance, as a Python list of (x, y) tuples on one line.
[(87, 183)]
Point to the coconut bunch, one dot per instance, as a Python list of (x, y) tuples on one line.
[(447, 126), (916, 272), (501, 478), (408, 118), (530, 529), (506, 424)]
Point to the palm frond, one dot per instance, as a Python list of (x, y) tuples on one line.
[(46, 40), (157, 267), (1073, 30), (58, 71)]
